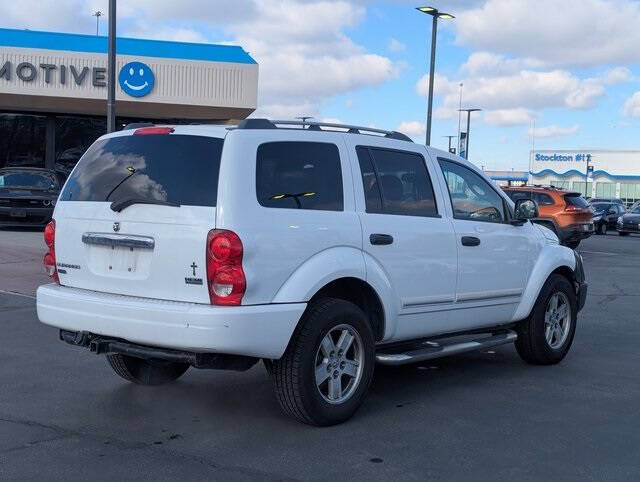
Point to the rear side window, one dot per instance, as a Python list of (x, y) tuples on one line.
[(396, 182), (173, 168), (517, 195), (575, 199), (299, 175)]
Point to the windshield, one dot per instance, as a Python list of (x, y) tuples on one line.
[(600, 206), (31, 180), (176, 169), (636, 210)]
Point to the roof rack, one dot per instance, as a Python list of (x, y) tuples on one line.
[(321, 126)]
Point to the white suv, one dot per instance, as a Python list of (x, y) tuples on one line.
[(318, 248)]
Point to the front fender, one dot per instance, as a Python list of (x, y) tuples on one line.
[(550, 258), (320, 270)]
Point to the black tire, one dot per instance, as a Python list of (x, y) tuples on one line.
[(623, 234), (572, 244), (268, 366), (146, 372), (531, 344), (294, 377)]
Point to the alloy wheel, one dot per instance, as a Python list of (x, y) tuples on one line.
[(339, 364), (557, 320)]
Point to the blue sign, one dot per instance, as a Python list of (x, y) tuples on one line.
[(563, 157), (136, 79)]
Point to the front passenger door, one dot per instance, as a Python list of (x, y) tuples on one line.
[(493, 255)]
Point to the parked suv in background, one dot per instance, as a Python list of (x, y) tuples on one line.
[(605, 215), (320, 249), (567, 214)]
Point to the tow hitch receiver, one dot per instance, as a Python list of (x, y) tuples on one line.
[(100, 345)]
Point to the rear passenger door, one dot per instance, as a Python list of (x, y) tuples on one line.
[(405, 236)]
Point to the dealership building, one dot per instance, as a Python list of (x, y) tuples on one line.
[(613, 174), (53, 90)]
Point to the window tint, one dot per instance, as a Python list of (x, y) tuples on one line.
[(299, 175), (575, 199), (516, 195), (396, 182), (543, 199), (34, 180), (174, 168), (472, 197)]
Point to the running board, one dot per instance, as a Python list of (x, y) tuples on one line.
[(429, 350)]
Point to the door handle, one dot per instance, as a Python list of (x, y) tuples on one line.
[(381, 239), (470, 241)]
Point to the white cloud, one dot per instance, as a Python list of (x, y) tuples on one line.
[(619, 75), (632, 106), (396, 46), (525, 89), (413, 129), (557, 33), (509, 117), (554, 131)]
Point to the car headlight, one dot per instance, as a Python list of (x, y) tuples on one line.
[(597, 218), (620, 220)]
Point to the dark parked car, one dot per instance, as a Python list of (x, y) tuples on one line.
[(611, 200), (629, 222), (605, 215), (28, 195)]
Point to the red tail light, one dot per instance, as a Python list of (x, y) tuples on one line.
[(572, 209), (50, 258), (225, 278), (153, 131)]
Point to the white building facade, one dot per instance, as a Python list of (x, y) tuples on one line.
[(612, 173)]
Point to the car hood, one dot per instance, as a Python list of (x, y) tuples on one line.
[(27, 193), (631, 218)]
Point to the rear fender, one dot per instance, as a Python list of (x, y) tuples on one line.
[(550, 258), (320, 270)]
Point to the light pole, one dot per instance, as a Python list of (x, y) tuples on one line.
[(468, 111), (450, 137), (111, 95), (98, 14), (436, 14)]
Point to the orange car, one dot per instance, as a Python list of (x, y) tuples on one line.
[(565, 213)]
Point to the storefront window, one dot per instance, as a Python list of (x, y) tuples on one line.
[(22, 140), (560, 183), (578, 186), (74, 135), (606, 189), (629, 193)]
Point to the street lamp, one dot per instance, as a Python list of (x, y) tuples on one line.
[(98, 14), (468, 111), (436, 14), (450, 137)]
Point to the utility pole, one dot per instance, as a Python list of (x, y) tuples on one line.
[(111, 95), (460, 113), (98, 14), (586, 177)]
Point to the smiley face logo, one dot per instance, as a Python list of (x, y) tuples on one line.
[(136, 79)]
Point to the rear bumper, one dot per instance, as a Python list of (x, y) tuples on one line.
[(260, 331), (576, 232), (33, 216)]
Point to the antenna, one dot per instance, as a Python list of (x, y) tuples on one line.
[(304, 120)]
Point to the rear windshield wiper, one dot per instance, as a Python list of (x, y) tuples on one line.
[(122, 204)]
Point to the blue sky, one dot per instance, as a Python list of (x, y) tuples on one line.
[(362, 62)]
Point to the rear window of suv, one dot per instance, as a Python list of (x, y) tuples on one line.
[(575, 199), (299, 175), (173, 168)]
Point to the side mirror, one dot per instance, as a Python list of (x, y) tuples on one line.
[(612, 211), (525, 209)]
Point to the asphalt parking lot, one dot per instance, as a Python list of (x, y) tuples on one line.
[(481, 416)]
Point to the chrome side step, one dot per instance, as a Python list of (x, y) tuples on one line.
[(429, 350)]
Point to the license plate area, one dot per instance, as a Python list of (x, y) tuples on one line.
[(18, 213), (117, 256)]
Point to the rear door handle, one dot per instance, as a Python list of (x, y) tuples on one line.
[(381, 239), (470, 241)]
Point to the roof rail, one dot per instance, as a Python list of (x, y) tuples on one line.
[(321, 126)]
